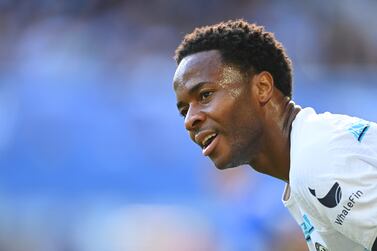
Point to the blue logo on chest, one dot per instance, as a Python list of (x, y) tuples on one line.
[(359, 129), (307, 227)]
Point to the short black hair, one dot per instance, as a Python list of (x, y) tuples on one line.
[(246, 45)]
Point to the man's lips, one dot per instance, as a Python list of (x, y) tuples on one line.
[(206, 140), (211, 146)]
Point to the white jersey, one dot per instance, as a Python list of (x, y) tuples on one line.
[(332, 191)]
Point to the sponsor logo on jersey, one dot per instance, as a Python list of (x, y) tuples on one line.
[(359, 129), (347, 207), (320, 247), (332, 198)]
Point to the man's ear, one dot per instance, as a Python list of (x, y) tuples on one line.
[(263, 84)]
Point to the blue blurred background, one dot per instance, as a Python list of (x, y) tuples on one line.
[(93, 154)]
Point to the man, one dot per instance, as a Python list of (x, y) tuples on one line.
[(233, 86)]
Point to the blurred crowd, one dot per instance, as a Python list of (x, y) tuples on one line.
[(93, 154)]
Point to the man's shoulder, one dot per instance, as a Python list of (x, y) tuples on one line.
[(327, 146), (320, 137), (311, 126)]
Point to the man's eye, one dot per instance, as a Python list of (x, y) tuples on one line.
[(205, 95)]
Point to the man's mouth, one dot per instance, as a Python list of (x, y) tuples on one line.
[(209, 143), (207, 140)]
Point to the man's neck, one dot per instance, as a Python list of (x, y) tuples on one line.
[(274, 158)]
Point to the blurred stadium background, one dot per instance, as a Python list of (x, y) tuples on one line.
[(93, 154)]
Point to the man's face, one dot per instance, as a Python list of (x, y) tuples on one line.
[(220, 113)]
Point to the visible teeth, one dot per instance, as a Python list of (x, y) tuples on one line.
[(205, 141)]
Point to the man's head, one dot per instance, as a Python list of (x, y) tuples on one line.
[(226, 75)]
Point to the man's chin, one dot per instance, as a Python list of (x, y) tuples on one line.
[(222, 164)]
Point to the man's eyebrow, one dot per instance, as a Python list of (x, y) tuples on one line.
[(192, 89)]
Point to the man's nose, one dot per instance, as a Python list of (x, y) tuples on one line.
[(194, 118)]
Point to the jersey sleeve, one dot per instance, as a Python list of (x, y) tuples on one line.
[(349, 189)]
